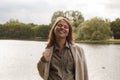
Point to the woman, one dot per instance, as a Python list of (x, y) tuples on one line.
[(62, 59)]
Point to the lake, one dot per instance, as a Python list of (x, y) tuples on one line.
[(18, 60)]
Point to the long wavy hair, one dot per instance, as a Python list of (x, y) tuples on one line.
[(52, 37)]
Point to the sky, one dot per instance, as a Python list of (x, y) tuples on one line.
[(41, 11)]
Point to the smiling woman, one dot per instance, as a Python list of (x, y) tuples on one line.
[(62, 59), (61, 30)]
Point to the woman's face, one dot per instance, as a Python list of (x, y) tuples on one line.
[(61, 29)]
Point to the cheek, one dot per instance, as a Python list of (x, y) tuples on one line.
[(55, 31), (67, 32)]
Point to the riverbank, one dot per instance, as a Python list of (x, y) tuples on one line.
[(112, 41)]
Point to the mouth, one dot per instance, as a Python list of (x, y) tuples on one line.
[(61, 31)]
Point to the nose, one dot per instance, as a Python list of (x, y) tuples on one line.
[(62, 26)]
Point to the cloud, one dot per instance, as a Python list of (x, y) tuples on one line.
[(113, 4), (112, 9), (41, 11), (29, 12)]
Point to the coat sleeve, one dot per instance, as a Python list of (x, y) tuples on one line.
[(41, 67), (84, 65)]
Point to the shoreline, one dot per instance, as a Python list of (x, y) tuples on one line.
[(112, 41)]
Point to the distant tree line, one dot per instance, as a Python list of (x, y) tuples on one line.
[(13, 29), (93, 29)]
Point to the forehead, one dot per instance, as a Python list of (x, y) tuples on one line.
[(63, 22)]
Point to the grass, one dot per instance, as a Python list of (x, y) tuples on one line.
[(112, 41)]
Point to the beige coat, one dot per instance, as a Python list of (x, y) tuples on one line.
[(80, 64)]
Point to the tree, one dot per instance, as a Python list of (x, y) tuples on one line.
[(57, 14), (74, 16), (13, 29), (95, 29), (42, 31), (115, 27)]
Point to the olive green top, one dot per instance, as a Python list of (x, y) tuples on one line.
[(62, 64)]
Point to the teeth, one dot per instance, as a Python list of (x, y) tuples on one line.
[(61, 31)]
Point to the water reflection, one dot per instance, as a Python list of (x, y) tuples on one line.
[(18, 60), (103, 61)]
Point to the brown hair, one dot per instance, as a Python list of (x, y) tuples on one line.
[(52, 38)]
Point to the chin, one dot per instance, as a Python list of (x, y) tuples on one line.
[(62, 37)]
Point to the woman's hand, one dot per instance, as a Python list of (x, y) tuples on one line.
[(46, 56)]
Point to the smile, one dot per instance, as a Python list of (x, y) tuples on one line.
[(61, 31)]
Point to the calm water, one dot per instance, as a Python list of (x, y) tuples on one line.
[(18, 60)]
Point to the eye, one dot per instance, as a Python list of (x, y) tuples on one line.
[(66, 27), (60, 25)]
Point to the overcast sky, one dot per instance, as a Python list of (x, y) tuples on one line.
[(41, 11)]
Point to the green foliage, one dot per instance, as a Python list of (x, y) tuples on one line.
[(97, 35), (16, 30), (74, 16), (42, 31), (56, 14), (13, 29), (115, 27), (94, 29), (75, 35)]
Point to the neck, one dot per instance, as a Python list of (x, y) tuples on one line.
[(60, 43)]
